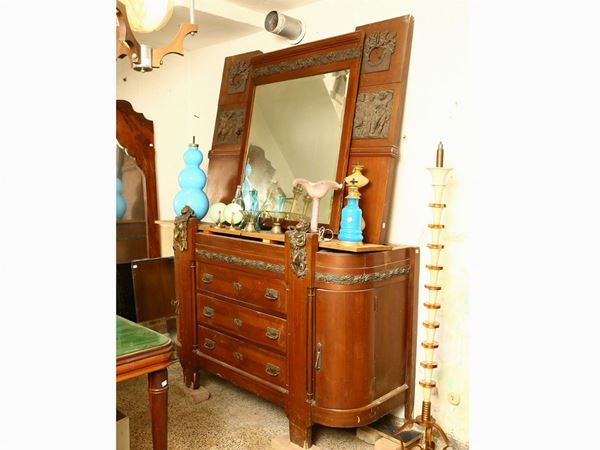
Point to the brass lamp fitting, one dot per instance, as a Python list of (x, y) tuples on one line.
[(355, 181)]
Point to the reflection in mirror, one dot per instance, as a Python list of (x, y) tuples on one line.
[(132, 180), (131, 212), (295, 132)]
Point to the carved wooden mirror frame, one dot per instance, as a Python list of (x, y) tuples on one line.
[(136, 134), (380, 52)]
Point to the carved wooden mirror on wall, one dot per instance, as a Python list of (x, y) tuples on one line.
[(273, 105), (137, 232)]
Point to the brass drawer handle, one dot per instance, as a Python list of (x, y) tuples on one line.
[(237, 322), (271, 294), (272, 333), (237, 286), (238, 356), (207, 278), (318, 358), (208, 312), (272, 370), (209, 344)]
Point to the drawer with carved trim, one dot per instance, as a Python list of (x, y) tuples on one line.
[(266, 292), (244, 322), (264, 364)]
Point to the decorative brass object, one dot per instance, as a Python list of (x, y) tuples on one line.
[(238, 356), (208, 312), (378, 51), (272, 369), (433, 288), (428, 364), (425, 420), (180, 231), (237, 322), (430, 345), (271, 294), (175, 303), (297, 236), (237, 286), (207, 278), (318, 357), (435, 246), (251, 263), (432, 305), (209, 344), (439, 156), (272, 333), (373, 114), (309, 61), (348, 279)]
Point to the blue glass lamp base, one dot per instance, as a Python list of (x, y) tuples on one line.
[(350, 226), (197, 200)]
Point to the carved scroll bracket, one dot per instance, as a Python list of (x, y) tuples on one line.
[(181, 229), (297, 236)]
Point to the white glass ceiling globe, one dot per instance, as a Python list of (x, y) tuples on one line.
[(146, 16)]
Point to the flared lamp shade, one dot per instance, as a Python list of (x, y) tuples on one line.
[(146, 16)]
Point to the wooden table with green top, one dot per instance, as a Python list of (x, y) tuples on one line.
[(141, 351)]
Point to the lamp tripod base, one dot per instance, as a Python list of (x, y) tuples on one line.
[(428, 423)]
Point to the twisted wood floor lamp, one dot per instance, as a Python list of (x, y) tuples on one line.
[(439, 174)]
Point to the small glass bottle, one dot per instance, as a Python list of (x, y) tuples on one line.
[(237, 198)]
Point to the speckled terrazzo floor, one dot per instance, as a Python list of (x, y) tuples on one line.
[(231, 419)]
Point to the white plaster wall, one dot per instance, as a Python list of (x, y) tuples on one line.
[(437, 109)]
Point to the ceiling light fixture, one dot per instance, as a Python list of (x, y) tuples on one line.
[(285, 26), (145, 16)]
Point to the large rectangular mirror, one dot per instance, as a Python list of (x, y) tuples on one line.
[(298, 124), (295, 132)]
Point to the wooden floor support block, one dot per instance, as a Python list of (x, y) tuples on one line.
[(282, 442), (367, 435), (198, 395), (386, 444)]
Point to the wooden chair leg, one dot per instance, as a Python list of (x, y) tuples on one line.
[(158, 389)]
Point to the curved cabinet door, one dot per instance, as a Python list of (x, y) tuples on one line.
[(360, 345)]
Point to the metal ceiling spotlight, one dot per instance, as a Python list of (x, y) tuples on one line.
[(285, 26)]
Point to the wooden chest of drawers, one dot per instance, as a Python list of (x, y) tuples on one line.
[(328, 335)]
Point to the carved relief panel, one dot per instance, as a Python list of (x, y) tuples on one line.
[(230, 124), (373, 114), (237, 77), (378, 51)]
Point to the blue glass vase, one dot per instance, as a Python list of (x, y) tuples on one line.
[(247, 188), (121, 205), (192, 180), (350, 226)]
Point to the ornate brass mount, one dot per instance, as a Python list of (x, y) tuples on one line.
[(297, 236), (181, 228)]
